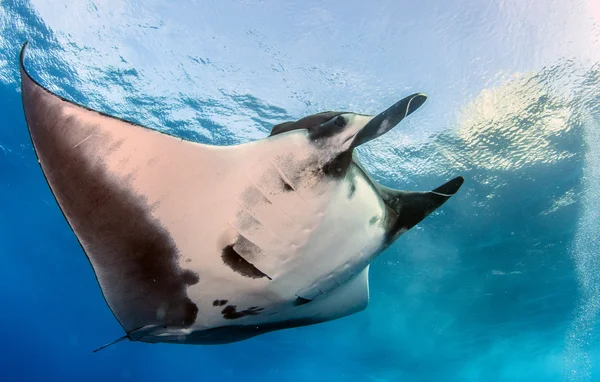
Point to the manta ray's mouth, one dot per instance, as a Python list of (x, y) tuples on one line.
[(388, 119)]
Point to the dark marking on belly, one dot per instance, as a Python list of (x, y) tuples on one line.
[(245, 221), (219, 302), (272, 183), (373, 220), (239, 265), (252, 196), (286, 186), (351, 190), (230, 312), (301, 301), (337, 167)]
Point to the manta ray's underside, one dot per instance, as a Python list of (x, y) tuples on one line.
[(202, 244)]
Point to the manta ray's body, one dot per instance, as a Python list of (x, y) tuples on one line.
[(204, 244)]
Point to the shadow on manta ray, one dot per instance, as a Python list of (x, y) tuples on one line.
[(202, 244)]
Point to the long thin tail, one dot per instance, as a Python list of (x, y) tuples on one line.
[(134, 335), (111, 343)]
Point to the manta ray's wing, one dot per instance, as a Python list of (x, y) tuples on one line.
[(126, 191)]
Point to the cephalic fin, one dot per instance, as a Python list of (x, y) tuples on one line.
[(411, 208)]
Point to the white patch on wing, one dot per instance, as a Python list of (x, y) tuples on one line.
[(385, 126)]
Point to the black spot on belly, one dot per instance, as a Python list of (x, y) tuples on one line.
[(133, 255), (219, 302), (287, 187), (373, 220), (301, 301), (237, 263), (230, 312), (351, 190)]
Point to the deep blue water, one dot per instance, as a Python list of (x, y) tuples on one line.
[(501, 284)]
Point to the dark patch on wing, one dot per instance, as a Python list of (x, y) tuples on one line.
[(336, 168), (134, 257), (219, 302), (239, 265), (301, 301), (230, 312)]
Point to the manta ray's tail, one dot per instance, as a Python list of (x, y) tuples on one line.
[(111, 343), (134, 335)]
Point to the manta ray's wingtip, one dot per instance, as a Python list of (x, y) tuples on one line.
[(22, 55), (23, 52), (451, 187), (416, 101)]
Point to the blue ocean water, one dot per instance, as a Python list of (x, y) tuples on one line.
[(501, 284)]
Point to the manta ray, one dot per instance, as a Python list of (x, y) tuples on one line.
[(202, 244)]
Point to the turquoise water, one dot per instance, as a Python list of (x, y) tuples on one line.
[(501, 284)]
